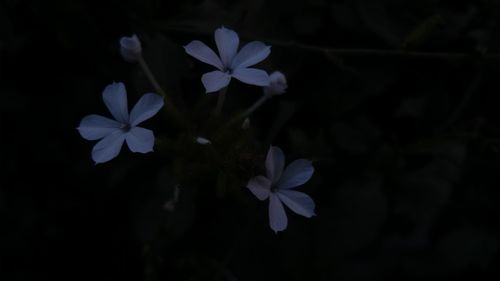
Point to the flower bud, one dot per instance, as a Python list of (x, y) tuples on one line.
[(130, 48), (246, 124), (202, 140), (278, 84)]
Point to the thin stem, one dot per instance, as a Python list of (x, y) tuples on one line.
[(256, 105), (385, 53), (471, 90), (151, 77), (355, 51), (220, 101), (247, 112), (251, 109), (169, 106)]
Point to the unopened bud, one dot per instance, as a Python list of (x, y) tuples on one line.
[(278, 84), (246, 124), (203, 141), (130, 48)]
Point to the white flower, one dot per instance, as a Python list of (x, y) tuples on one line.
[(277, 185), (113, 133), (230, 62)]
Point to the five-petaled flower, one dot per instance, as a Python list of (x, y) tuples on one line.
[(277, 185), (230, 62), (112, 133)]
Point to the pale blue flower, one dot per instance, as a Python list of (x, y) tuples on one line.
[(230, 63), (112, 133), (131, 48), (277, 185), (278, 84)]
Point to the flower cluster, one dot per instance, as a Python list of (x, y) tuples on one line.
[(231, 62)]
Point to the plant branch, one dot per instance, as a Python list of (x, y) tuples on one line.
[(169, 106), (220, 101), (355, 52)]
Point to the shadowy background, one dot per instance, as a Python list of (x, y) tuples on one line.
[(406, 146)]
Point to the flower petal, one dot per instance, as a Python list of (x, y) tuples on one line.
[(297, 173), (109, 147), (227, 42), (277, 216), (145, 108), (252, 53), (94, 127), (252, 76), (275, 162), (260, 186), (202, 52), (215, 80), (140, 140), (298, 202), (115, 98)]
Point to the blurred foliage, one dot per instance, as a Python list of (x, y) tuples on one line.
[(406, 148)]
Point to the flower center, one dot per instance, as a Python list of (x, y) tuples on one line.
[(274, 188), (126, 128)]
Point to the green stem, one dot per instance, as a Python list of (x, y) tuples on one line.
[(249, 111), (256, 105), (220, 101), (471, 90), (242, 115), (151, 77), (169, 106), (384, 53)]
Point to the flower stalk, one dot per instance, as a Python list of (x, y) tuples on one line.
[(220, 101), (169, 106), (151, 77)]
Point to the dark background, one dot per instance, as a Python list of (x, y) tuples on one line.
[(405, 145)]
